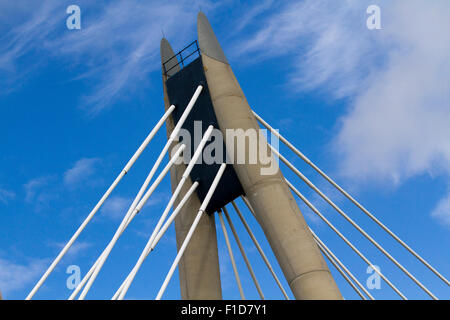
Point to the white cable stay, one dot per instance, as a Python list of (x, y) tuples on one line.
[(314, 209), (244, 255), (326, 248), (343, 270), (258, 247), (354, 201), (101, 201), (172, 138), (230, 252), (202, 209), (163, 230), (120, 293), (175, 194), (353, 223), (131, 213)]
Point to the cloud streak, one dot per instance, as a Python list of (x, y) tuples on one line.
[(323, 43), (398, 125), (14, 276), (116, 207), (44, 190), (76, 249), (35, 190), (118, 43), (442, 211), (81, 171), (396, 79)]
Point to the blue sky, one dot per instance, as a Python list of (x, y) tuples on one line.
[(370, 107)]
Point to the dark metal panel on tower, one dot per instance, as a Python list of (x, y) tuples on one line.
[(180, 87)]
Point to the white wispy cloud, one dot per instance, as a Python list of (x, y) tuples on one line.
[(15, 276), (118, 43), (116, 207), (76, 249), (33, 186), (158, 198), (34, 25), (321, 42), (81, 171), (398, 125), (249, 12), (6, 195), (39, 191), (396, 79), (43, 190)]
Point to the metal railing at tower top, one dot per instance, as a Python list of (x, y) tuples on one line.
[(191, 49)]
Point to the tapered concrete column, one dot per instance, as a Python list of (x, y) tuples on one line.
[(199, 267), (275, 208)]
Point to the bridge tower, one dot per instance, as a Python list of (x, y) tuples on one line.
[(222, 104)]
